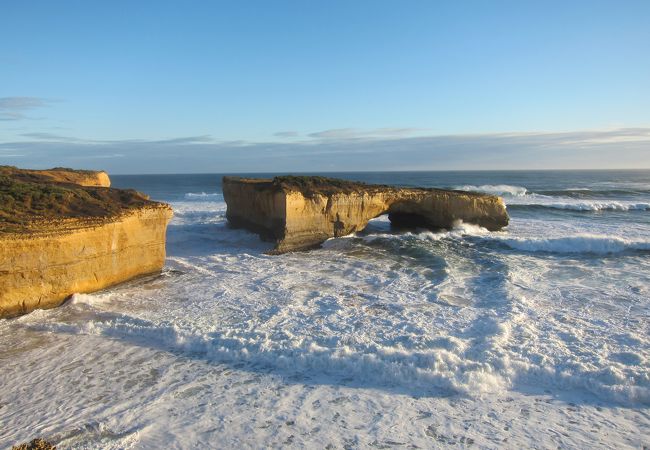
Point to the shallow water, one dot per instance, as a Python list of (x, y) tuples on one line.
[(536, 336)]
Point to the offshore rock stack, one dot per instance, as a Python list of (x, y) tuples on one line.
[(302, 212)]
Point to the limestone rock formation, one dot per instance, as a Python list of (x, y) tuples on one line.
[(57, 239), (302, 212)]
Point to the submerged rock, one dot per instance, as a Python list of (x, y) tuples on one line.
[(302, 212), (59, 238)]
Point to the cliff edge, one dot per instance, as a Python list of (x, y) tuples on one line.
[(58, 238), (302, 212), (60, 175)]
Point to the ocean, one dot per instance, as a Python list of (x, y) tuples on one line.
[(537, 336)]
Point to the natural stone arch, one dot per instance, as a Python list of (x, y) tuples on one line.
[(302, 212)]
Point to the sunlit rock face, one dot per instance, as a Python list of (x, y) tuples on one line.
[(57, 239), (302, 212), (65, 175)]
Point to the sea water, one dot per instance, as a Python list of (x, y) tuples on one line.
[(537, 336)]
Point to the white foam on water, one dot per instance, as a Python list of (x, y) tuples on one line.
[(586, 243), (521, 196), (459, 230), (202, 196), (495, 189), (580, 205), (89, 299), (378, 340)]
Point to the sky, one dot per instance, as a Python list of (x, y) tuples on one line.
[(259, 86)]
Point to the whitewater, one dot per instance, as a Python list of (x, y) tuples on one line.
[(537, 336)]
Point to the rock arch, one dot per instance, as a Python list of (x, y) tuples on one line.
[(302, 212)]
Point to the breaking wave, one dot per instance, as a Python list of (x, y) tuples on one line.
[(495, 189), (203, 196), (572, 199), (595, 205), (586, 243), (582, 193), (580, 243)]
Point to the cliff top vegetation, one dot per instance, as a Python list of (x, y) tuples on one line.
[(310, 185), (27, 198)]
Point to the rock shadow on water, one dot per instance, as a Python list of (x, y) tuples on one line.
[(205, 239), (304, 366), (294, 366)]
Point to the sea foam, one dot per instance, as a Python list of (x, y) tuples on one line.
[(519, 196), (495, 189), (585, 243), (573, 205), (203, 196)]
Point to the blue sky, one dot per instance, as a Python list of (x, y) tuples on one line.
[(162, 86)]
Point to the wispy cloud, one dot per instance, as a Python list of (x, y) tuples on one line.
[(337, 133), (355, 133), (52, 137), (402, 132), (287, 134), (21, 103), (613, 136), (187, 140), (620, 148), (103, 156), (12, 108), (11, 115), (203, 139)]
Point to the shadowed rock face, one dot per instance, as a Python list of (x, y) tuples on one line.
[(302, 212), (58, 238)]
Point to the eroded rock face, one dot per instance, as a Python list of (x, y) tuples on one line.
[(302, 212), (49, 254)]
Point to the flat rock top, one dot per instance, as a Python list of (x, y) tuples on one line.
[(61, 175), (312, 185), (34, 201)]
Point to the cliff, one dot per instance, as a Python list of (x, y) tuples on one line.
[(57, 239), (60, 175), (302, 212)]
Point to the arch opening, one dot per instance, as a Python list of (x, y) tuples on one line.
[(399, 219), (407, 221)]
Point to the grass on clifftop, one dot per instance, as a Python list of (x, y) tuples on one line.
[(310, 185), (28, 199)]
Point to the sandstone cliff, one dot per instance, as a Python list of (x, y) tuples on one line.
[(302, 212), (57, 239)]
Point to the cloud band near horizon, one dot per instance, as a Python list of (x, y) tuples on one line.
[(383, 149)]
